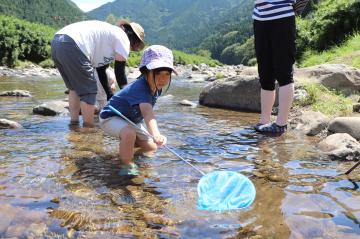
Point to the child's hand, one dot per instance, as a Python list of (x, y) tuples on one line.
[(160, 139)]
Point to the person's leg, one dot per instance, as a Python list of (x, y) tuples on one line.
[(74, 107), (267, 102), (286, 95), (265, 69), (146, 146), (87, 112), (284, 58), (119, 128), (127, 143), (79, 78), (144, 142), (59, 54)]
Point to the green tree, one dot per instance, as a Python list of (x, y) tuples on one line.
[(21, 40), (111, 19), (56, 13)]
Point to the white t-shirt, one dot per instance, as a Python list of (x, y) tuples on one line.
[(98, 40)]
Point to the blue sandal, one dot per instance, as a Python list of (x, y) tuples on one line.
[(128, 170), (271, 128)]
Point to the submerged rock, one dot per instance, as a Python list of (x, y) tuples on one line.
[(51, 108), (188, 103), (16, 93), (8, 124)]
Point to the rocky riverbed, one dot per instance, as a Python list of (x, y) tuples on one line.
[(237, 87)]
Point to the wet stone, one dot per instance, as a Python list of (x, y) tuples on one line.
[(259, 175), (55, 200), (16, 93), (9, 124), (188, 103), (276, 178), (152, 218)]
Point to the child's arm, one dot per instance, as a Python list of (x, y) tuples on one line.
[(151, 124)]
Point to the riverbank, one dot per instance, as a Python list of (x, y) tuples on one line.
[(30, 70)]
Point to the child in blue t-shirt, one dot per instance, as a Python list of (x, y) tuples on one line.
[(136, 102)]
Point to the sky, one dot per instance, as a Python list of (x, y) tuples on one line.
[(88, 5)]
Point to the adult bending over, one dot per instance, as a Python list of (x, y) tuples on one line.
[(79, 48)]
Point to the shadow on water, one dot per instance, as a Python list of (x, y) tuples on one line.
[(63, 183)]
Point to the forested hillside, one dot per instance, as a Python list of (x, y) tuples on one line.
[(55, 13), (22, 42), (229, 34), (224, 28), (328, 25), (180, 24), (221, 29)]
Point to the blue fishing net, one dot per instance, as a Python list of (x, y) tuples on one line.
[(225, 190)]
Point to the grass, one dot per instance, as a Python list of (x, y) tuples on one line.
[(219, 75), (347, 53), (328, 102)]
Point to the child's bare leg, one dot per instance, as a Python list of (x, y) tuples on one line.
[(146, 146), (127, 143)]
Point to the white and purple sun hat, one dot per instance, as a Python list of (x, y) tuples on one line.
[(157, 56)]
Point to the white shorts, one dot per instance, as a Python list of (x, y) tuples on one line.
[(113, 126)]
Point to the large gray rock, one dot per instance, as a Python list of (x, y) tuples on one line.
[(340, 146), (240, 92), (334, 76), (311, 123), (9, 124), (52, 108), (349, 125)]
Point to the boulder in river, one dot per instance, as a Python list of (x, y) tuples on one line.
[(52, 108), (9, 124), (340, 146)]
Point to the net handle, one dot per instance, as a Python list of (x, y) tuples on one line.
[(152, 137)]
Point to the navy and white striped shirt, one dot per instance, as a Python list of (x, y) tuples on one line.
[(273, 9)]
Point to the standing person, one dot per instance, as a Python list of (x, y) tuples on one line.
[(79, 48), (274, 31), (136, 102)]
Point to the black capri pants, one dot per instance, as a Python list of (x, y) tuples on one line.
[(275, 51)]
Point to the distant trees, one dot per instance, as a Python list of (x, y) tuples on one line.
[(112, 19), (324, 24), (328, 25), (239, 53), (227, 37), (56, 13), (21, 40)]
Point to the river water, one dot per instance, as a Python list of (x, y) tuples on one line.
[(61, 182)]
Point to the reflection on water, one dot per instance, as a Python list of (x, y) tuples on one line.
[(61, 182)]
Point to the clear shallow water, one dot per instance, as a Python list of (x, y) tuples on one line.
[(61, 182)]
